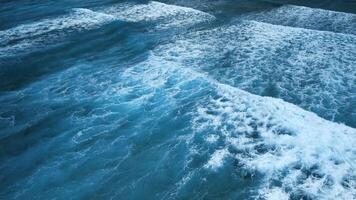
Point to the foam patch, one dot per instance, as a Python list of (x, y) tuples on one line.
[(293, 152), (310, 18), (24, 37), (296, 153), (29, 37), (313, 69), (166, 15)]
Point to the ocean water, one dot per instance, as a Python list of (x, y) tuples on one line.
[(178, 99)]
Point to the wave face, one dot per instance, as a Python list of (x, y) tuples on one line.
[(146, 100)]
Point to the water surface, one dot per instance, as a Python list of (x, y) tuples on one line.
[(177, 99)]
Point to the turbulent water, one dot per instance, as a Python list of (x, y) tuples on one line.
[(178, 99)]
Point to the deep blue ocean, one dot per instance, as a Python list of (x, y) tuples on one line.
[(178, 100)]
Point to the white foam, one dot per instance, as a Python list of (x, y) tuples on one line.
[(212, 138), (274, 194), (78, 19), (167, 15), (305, 17), (280, 141), (308, 155), (310, 68), (35, 35), (217, 159)]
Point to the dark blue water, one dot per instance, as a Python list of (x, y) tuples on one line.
[(177, 99)]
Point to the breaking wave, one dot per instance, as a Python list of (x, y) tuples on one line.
[(166, 16), (251, 109), (306, 67), (310, 18), (30, 37)]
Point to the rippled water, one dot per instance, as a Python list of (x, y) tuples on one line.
[(177, 99)]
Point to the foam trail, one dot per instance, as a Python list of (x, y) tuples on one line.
[(310, 18)]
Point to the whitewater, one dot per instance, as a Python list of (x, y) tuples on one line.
[(177, 100)]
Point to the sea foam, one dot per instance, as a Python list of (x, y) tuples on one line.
[(313, 69), (168, 16), (30, 37), (308, 155), (296, 153), (305, 17)]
